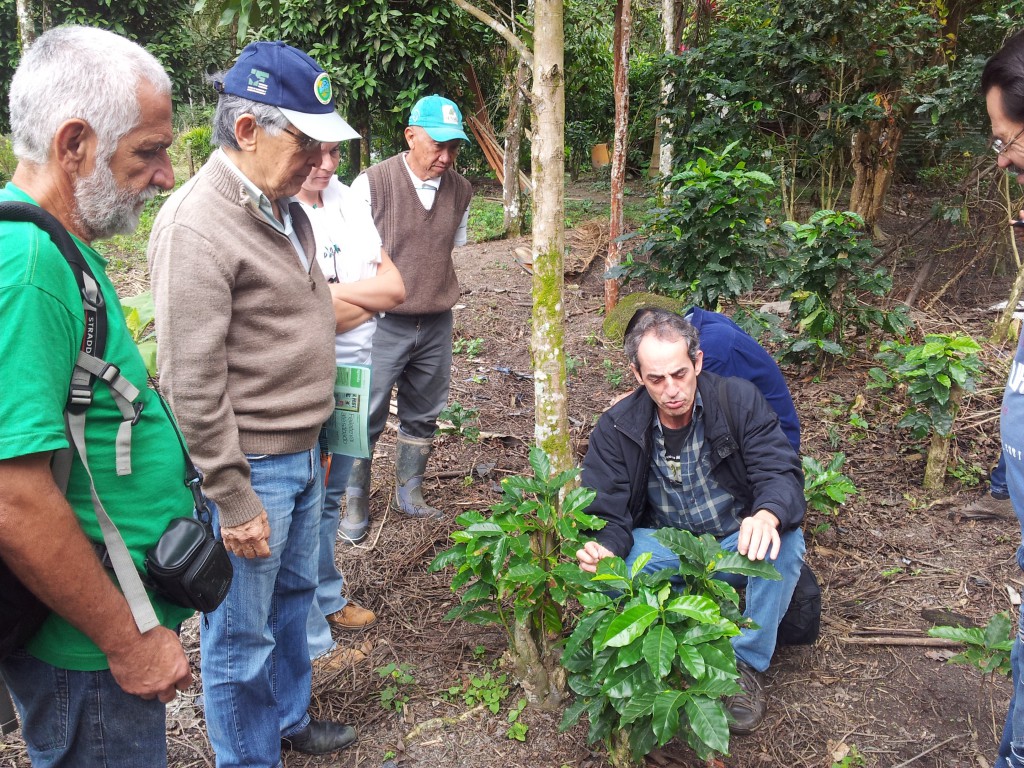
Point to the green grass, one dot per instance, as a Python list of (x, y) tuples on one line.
[(486, 216), (486, 220)]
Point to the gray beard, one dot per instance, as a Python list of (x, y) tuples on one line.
[(104, 209)]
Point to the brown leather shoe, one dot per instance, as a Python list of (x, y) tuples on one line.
[(340, 659), (352, 616), (749, 707)]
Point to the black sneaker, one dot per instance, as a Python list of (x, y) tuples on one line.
[(320, 737), (747, 708)]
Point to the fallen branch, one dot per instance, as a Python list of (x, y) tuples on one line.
[(927, 642), (443, 722)]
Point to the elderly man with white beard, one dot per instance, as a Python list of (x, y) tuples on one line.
[(91, 119)]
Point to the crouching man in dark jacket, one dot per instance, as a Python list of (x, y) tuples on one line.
[(704, 454)]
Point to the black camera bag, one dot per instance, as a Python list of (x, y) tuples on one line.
[(190, 567)]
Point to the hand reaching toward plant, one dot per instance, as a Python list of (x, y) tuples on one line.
[(591, 554)]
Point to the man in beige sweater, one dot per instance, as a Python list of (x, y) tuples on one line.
[(246, 356)]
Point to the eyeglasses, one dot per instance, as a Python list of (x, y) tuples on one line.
[(998, 147), (306, 144)]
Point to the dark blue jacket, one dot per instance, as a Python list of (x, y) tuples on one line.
[(731, 351), (754, 461)]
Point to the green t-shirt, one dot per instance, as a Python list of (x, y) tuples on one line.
[(41, 326)]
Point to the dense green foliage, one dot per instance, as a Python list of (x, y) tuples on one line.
[(651, 654), (932, 373), (189, 45), (523, 552), (828, 268), (793, 81), (382, 56), (826, 488), (987, 649), (711, 233)]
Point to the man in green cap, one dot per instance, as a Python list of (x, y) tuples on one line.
[(420, 205)]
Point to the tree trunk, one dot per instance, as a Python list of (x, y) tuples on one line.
[(619, 753), (671, 30), (26, 24), (620, 87), (875, 147), (935, 467), (536, 667), (547, 344), (548, 338), (511, 193), (938, 449)]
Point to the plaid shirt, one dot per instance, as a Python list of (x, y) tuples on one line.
[(684, 494)]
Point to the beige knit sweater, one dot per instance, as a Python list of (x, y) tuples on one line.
[(245, 335)]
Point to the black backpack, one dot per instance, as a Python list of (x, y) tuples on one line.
[(802, 623), (21, 612)]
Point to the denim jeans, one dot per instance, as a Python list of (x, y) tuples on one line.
[(766, 601), (330, 582), (1011, 426), (71, 719), (255, 665), (414, 351), (997, 479)]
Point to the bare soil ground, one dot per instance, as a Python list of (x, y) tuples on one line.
[(891, 555)]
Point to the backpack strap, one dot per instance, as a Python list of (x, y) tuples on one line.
[(90, 366), (723, 403)]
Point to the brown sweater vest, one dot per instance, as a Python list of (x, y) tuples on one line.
[(419, 241)]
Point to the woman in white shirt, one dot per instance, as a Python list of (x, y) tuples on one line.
[(363, 282)]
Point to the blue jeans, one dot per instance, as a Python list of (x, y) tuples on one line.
[(330, 582), (1011, 426), (414, 351), (71, 719), (766, 601), (256, 670), (997, 480)]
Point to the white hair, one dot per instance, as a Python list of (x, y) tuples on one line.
[(85, 73), (231, 107)]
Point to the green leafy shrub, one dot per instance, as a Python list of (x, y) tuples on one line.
[(826, 488), (139, 313), (395, 696), (522, 556), (825, 274), (8, 162), (988, 649), (933, 373), (198, 146), (653, 658), (471, 348), (710, 235), (456, 420)]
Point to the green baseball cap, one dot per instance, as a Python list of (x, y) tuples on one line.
[(439, 117)]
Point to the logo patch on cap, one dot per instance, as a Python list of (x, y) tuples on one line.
[(257, 82), (322, 89), (448, 114)]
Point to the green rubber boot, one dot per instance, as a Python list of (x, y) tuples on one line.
[(410, 464), (356, 519)]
